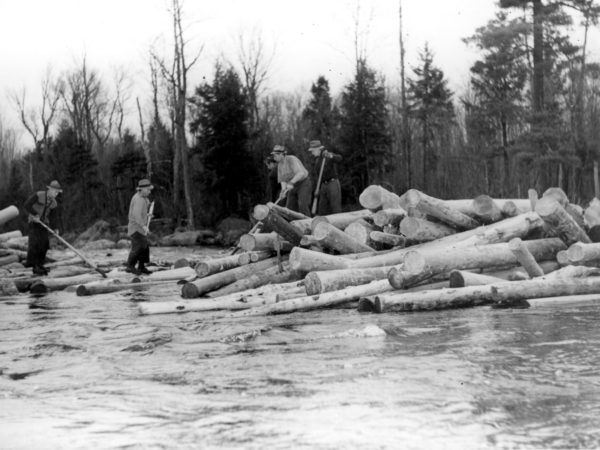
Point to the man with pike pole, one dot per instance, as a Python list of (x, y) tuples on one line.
[(140, 215)]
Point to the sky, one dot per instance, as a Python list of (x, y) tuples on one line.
[(307, 38)]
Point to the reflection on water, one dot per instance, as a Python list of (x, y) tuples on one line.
[(88, 372)]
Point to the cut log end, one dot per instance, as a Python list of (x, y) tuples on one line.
[(189, 290), (312, 284), (82, 291), (38, 287), (456, 279), (261, 212), (181, 262)]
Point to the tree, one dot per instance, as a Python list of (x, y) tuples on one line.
[(219, 117), (364, 135), (431, 105), (319, 114)]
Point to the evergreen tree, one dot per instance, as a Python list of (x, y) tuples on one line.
[(219, 117), (365, 138), (431, 104), (320, 116)]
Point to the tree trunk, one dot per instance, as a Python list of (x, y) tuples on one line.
[(439, 209), (525, 258), (274, 221), (272, 275), (375, 197), (486, 210), (334, 238), (388, 239), (264, 242), (560, 221), (421, 230), (462, 278), (334, 280)]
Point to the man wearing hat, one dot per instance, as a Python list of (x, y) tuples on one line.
[(294, 179), (137, 229), (330, 191), (41, 207)]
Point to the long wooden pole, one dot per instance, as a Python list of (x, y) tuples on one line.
[(313, 210), (87, 261)]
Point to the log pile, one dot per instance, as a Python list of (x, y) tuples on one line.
[(409, 252)]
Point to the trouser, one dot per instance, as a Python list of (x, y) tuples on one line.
[(330, 198), (140, 250), (37, 245), (298, 199)]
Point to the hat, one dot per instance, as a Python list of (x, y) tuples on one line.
[(55, 185), (144, 183), (314, 145), (278, 149)]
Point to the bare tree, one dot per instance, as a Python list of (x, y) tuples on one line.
[(38, 122), (176, 78)]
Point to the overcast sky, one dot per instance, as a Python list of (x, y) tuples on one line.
[(309, 37)]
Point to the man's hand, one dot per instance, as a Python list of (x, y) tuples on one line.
[(34, 218), (327, 154), (146, 230), (57, 232)]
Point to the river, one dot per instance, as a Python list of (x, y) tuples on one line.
[(90, 372)]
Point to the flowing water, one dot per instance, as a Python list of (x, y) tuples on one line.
[(89, 372)]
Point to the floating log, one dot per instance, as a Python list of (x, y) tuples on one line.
[(392, 240), (10, 235), (389, 216), (334, 280), (477, 257), (571, 300), (105, 288), (8, 213), (462, 278), (579, 252), (440, 210), (277, 223), (525, 258), (239, 300), (201, 286), (41, 286), (273, 275), (400, 278), (375, 197), (486, 209), (331, 237), (183, 273), (421, 230), (8, 259), (264, 242), (319, 301), (499, 293), (287, 213), (253, 256), (214, 265), (560, 221)]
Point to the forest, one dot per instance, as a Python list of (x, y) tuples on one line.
[(528, 119)]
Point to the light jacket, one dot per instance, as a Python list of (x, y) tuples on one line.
[(138, 214)]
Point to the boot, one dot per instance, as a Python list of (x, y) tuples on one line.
[(142, 269), (131, 269)]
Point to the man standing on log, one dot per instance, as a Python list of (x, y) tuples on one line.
[(294, 179), (138, 229), (41, 207), (329, 193)]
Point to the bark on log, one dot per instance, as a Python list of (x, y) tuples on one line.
[(277, 223), (8, 259), (10, 235), (272, 275), (478, 257), (392, 240), (389, 216), (560, 221), (499, 293), (334, 280), (200, 287), (519, 274), (331, 237), (579, 252), (238, 300), (375, 197), (41, 286), (462, 278), (183, 273), (319, 301), (440, 210), (264, 242), (214, 265), (421, 230), (253, 256), (8, 213), (486, 209), (525, 258), (95, 289), (287, 213)]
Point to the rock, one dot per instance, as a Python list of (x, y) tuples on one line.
[(101, 230), (181, 238), (230, 230), (123, 243)]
